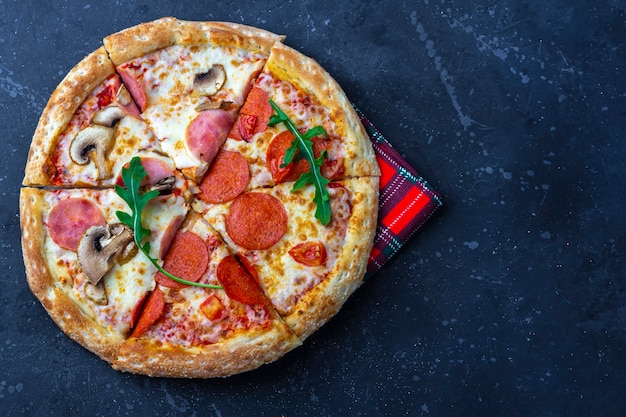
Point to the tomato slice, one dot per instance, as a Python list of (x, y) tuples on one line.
[(213, 308), (275, 155), (247, 122), (309, 253)]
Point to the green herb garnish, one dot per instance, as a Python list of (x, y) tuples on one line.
[(137, 200), (302, 142)]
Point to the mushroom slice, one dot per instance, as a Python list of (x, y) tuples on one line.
[(94, 143), (210, 82), (213, 105), (164, 186), (108, 116), (96, 293), (103, 246)]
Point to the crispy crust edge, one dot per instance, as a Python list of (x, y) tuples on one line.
[(320, 304), (60, 307), (63, 103), (243, 352), (307, 74), (147, 37)]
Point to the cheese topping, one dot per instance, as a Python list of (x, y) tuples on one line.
[(185, 323), (125, 284), (283, 278), (66, 171), (304, 110), (167, 75)]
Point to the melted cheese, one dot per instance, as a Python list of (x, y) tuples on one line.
[(284, 279), (184, 323), (305, 111), (126, 283), (131, 134), (167, 77)]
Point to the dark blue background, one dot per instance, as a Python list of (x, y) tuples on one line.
[(510, 302)]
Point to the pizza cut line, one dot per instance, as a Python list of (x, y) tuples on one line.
[(173, 221)]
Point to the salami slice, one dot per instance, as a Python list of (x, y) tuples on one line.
[(134, 87), (156, 169), (256, 221), (187, 258), (169, 234), (207, 133), (69, 220), (227, 178)]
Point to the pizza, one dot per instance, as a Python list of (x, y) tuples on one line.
[(198, 199)]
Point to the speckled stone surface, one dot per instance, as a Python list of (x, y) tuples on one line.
[(510, 302)]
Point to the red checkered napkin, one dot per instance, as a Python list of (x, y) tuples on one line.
[(406, 200)]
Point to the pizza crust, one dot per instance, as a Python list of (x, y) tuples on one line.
[(63, 103), (308, 75), (147, 37), (241, 353), (64, 310), (322, 302)]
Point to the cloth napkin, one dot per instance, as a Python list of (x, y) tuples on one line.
[(406, 200)]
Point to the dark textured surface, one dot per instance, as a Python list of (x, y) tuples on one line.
[(511, 301)]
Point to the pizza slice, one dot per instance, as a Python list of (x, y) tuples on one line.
[(227, 326), (189, 80), (307, 270), (89, 129), (310, 97), (83, 264)]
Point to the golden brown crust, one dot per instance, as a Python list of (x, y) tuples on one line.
[(229, 35), (62, 309), (240, 353), (290, 65), (139, 40), (147, 37), (324, 301), (63, 103)]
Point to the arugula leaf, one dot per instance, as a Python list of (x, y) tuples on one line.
[(137, 201), (302, 142)]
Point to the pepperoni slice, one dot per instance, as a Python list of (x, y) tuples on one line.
[(238, 284), (275, 155), (134, 87), (256, 221), (249, 267), (137, 310), (207, 133), (309, 253), (153, 309), (257, 105), (188, 258), (70, 218), (228, 177)]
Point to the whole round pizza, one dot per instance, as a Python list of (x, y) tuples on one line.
[(198, 199)]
